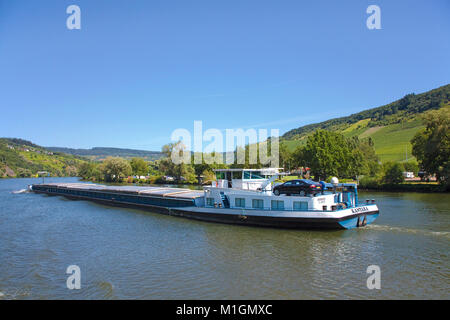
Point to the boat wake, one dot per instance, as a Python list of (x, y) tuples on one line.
[(408, 230), (21, 191)]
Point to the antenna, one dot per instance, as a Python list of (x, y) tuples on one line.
[(43, 173)]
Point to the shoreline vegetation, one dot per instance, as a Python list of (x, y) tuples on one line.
[(340, 147), (418, 187), (326, 154)]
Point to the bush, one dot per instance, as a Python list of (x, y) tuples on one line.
[(393, 173), (369, 183), (156, 179), (115, 169), (23, 173)]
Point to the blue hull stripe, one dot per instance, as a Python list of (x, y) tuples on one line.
[(352, 223)]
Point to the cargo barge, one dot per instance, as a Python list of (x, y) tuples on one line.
[(239, 196)]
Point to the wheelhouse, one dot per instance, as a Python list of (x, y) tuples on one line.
[(246, 179)]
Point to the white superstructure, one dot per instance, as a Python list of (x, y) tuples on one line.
[(252, 189), (246, 179)]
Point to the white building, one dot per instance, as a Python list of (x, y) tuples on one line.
[(408, 174)]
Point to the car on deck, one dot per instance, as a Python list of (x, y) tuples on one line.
[(302, 187)]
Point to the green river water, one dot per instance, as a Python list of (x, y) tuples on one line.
[(134, 254)]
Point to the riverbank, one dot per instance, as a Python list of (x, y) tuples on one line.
[(373, 185), (406, 187), (421, 187)]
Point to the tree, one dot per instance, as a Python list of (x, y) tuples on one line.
[(85, 169), (185, 172), (88, 170), (331, 154), (327, 154), (139, 167), (208, 176), (182, 171), (286, 157), (358, 162), (367, 148), (411, 166), (71, 171), (431, 146), (114, 168), (393, 173)]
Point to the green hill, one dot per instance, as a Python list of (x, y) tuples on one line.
[(100, 153), (391, 126), (21, 158)]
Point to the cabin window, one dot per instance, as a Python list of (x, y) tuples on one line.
[(253, 175), (239, 202), (300, 205), (257, 203), (210, 201), (257, 175), (237, 175), (220, 175), (277, 205)]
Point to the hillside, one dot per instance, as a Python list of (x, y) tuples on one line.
[(100, 153), (21, 158), (391, 126)]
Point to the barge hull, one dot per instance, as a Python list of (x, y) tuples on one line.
[(185, 207), (349, 222)]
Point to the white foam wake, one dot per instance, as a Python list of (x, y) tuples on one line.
[(408, 230)]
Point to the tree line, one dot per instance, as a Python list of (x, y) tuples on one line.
[(325, 154), (395, 112)]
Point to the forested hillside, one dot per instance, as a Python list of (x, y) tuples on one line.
[(21, 158), (101, 153), (391, 127)]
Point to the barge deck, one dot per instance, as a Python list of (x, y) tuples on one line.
[(192, 204), (153, 197)]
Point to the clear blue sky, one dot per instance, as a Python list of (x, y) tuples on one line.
[(137, 70)]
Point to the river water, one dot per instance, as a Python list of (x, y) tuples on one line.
[(134, 254)]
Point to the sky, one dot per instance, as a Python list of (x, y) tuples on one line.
[(138, 70)]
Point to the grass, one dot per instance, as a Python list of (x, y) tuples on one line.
[(293, 144), (20, 162), (392, 142), (356, 129)]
